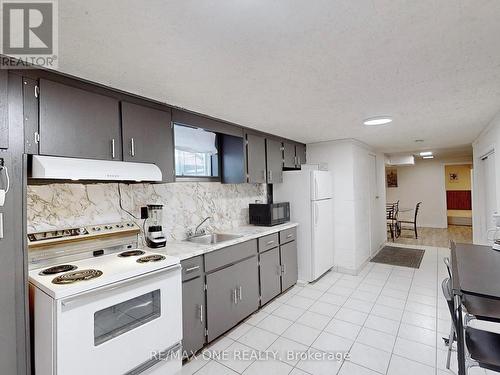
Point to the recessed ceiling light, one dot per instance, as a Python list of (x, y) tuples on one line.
[(426, 153), (379, 120), (428, 157)]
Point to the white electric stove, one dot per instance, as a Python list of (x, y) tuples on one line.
[(100, 304)]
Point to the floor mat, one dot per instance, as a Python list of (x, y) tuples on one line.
[(399, 256)]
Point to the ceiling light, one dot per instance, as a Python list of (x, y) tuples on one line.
[(428, 157), (426, 153), (380, 120)]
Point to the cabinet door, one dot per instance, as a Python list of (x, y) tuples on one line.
[(270, 275), (288, 253), (256, 159), (289, 155), (222, 299), (193, 315), (78, 123), (300, 151), (274, 160), (247, 274), (30, 112), (148, 137)]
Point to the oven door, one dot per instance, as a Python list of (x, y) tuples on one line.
[(114, 329)]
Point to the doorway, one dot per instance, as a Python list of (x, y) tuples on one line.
[(458, 186), (489, 193)]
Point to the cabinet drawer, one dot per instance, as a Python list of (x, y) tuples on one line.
[(192, 267), (230, 255), (288, 235), (268, 242)]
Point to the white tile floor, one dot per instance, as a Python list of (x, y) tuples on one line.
[(390, 320)]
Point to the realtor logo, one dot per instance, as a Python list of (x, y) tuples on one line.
[(29, 33)]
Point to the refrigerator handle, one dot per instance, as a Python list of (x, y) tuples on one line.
[(315, 188), (315, 214)]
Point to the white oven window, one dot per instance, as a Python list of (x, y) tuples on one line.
[(115, 320)]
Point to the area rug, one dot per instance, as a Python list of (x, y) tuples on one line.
[(399, 256)]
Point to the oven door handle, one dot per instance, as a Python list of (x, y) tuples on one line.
[(119, 285)]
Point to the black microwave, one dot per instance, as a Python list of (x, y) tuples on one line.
[(269, 214)]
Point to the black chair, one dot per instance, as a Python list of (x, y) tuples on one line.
[(392, 211), (481, 345), (413, 223)]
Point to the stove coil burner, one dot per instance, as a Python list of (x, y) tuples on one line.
[(73, 277), (58, 269), (151, 258), (131, 253)]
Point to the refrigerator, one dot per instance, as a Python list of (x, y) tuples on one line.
[(309, 192)]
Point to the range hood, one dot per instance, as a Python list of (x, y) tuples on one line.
[(57, 168)]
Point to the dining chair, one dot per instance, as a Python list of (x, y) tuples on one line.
[(482, 346), (392, 211), (413, 223)]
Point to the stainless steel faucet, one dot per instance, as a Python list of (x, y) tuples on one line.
[(196, 233)]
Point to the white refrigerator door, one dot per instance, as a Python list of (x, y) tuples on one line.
[(321, 185), (322, 237)]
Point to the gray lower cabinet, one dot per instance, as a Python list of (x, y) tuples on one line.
[(148, 137), (274, 161), (232, 295), (193, 315), (78, 123), (256, 159), (288, 255), (270, 275)]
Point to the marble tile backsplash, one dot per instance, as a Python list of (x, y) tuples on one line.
[(185, 204)]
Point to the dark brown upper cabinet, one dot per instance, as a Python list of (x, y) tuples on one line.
[(294, 155), (78, 123), (256, 159), (148, 137), (300, 151), (289, 158), (274, 161)]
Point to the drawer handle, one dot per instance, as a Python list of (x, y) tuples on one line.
[(270, 242), (235, 296), (289, 236), (191, 269), (241, 293), (201, 313)]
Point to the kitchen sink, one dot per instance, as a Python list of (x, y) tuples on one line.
[(213, 238)]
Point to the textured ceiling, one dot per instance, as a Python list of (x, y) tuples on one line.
[(308, 70)]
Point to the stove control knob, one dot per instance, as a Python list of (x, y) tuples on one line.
[(119, 225), (108, 227), (130, 225), (82, 231), (96, 229)]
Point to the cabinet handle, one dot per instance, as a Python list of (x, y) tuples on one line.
[(191, 269), (269, 176), (235, 297), (295, 160), (270, 242), (289, 236), (241, 293), (201, 313), (298, 160), (284, 269), (113, 148), (132, 147)]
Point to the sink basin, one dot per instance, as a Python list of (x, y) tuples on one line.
[(213, 238)]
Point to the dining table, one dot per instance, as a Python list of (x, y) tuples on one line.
[(475, 271)]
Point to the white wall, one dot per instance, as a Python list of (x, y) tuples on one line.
[(488, 140), (351, 166), (422, 182)]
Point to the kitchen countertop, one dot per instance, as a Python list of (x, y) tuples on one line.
[(185, 249)]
